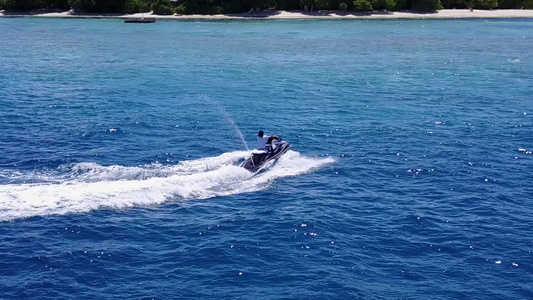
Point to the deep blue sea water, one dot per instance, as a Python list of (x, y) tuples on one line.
[(410, 175)]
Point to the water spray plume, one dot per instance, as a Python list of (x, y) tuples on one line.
[(228, 118)]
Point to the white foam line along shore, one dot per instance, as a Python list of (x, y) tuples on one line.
[(84, 187), (442, 14)]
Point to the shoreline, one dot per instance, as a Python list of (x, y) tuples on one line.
[(287, 15)]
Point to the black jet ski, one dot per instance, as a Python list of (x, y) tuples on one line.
[(259, 157)]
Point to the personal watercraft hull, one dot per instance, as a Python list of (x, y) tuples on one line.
[(259, 159)]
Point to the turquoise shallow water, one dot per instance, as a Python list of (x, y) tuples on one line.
[(410, 174)]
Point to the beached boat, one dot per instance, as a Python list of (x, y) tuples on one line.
[(142, 19), (139, 20)]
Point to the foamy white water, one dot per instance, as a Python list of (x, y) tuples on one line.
[(88, 186)]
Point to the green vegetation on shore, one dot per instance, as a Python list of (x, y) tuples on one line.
[(166, 7)]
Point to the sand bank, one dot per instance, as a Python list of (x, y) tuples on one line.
[(442, 14)]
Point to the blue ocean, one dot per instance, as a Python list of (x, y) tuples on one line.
[(409, 177)]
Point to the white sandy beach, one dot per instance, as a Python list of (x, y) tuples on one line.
[(442, 14)]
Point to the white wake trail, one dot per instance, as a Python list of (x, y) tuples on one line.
[(88, 186)]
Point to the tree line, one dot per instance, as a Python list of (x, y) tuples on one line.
[(166, 7)]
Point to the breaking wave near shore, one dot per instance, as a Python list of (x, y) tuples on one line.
[(84, 187)]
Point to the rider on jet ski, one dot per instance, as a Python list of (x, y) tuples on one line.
[(264, 142), (270, 148)]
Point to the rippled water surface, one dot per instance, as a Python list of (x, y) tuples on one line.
[(409, 176)]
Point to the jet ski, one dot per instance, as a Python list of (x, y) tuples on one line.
[(260, 157)]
